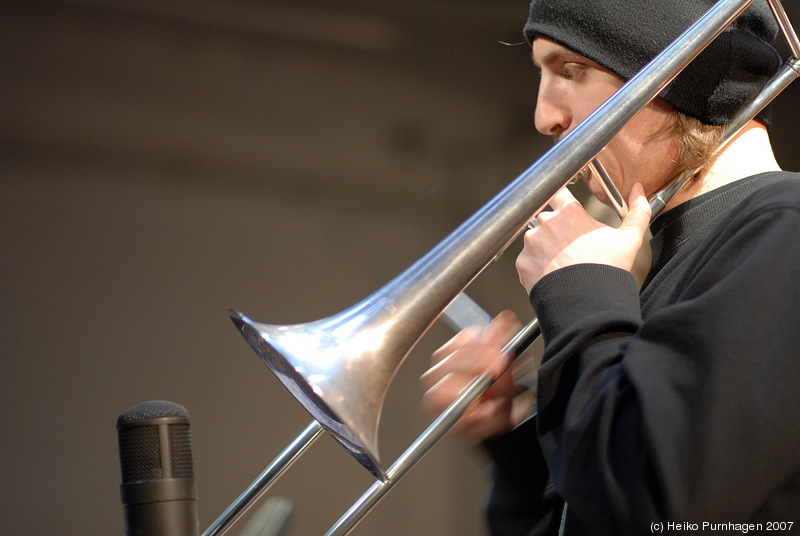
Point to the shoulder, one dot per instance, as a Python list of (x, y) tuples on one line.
[(779, 190), (768, 194), (765, 220), (763, 209)]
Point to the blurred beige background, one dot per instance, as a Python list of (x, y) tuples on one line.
[(164, 161)]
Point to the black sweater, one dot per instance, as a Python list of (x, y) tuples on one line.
[(677, 404)]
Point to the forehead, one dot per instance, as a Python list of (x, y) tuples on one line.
[(543, 47)]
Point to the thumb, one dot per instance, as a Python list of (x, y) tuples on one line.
[(638, 217)]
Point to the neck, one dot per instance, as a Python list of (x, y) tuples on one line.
[(748, 153)]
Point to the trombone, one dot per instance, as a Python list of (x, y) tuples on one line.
[(340, 368)]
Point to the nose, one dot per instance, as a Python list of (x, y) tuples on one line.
[(553, 117)]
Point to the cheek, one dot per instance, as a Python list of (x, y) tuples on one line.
[(639, 145), (583, 109)]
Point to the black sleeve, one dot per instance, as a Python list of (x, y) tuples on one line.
[(690, 415), (522, 500)]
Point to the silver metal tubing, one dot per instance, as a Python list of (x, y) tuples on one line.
[(659, 201), (402, 311), (340, 367), (786, 28), (780, 81), (265, 480), (517, 346), (613, 196), (427, 439)]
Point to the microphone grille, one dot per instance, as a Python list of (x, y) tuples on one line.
[(141, 445), (152, 409), (180, 441)]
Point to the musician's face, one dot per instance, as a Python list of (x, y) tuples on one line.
[(572, 87)]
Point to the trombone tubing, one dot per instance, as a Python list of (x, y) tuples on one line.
[(404, 309), (513, 207), (714, 20), (435, 431), (515, 349), (563, 160), (265, 480)]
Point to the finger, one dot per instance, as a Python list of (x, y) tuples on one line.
[(466, 362), (638, 217), (472, 351), (455, 366), (442, 393), (465, 337), (563, 198), (476, 417), (544, 216), (484, 419), (504, 328), (500, 329), (503, 386)]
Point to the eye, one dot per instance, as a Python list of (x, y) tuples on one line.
[(571, 71)]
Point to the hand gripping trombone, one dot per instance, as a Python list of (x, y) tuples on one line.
[(340, 368)]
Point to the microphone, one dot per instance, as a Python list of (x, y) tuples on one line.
[(155, 450)]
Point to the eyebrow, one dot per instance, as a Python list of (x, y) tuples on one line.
[(552, 57)]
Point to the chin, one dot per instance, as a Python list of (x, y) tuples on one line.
[(586, 177), (601, 196)]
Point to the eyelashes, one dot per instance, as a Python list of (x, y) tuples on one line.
[(571, 71)]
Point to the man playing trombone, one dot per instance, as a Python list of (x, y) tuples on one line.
[(676, 404)]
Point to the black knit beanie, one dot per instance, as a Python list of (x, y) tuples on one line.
[(623, 35)]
